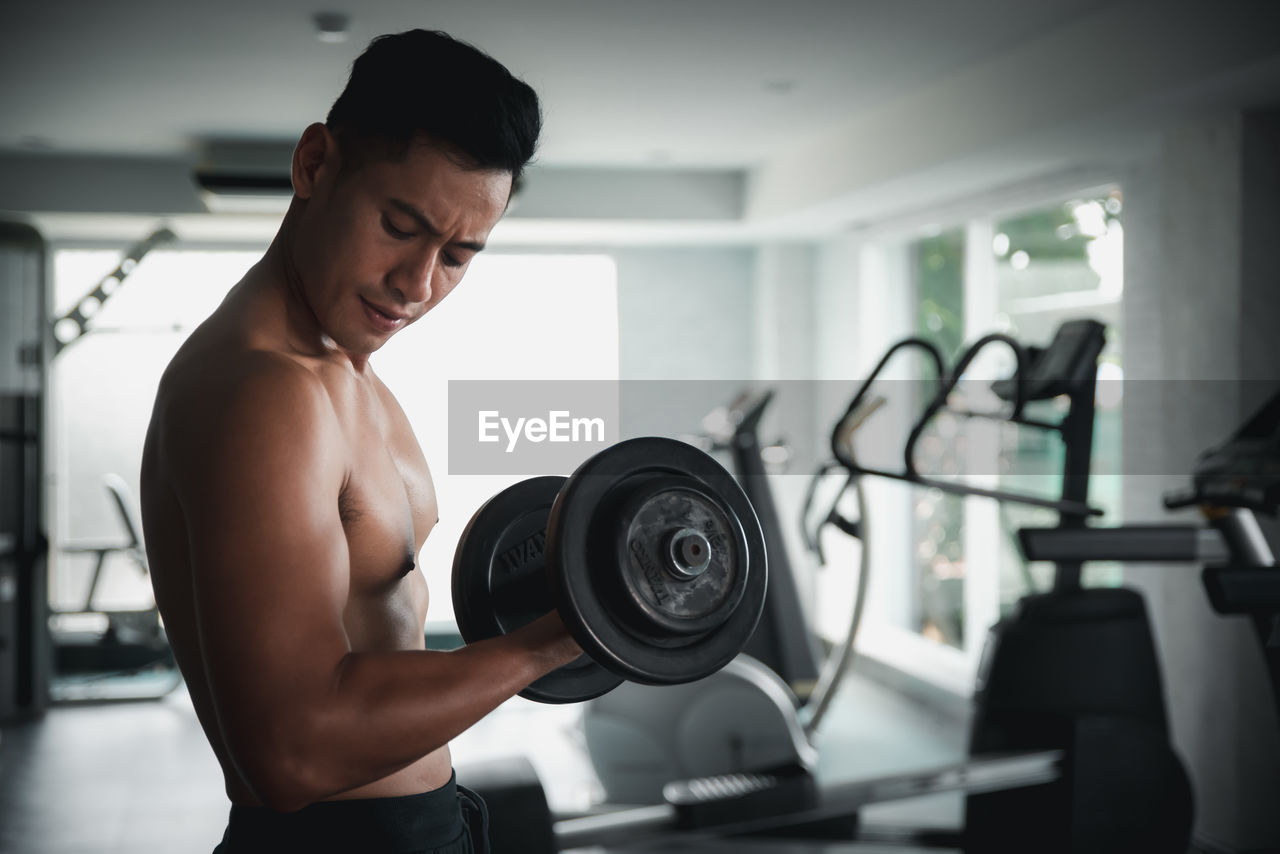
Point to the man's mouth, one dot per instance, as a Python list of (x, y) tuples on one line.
[(383, 319)]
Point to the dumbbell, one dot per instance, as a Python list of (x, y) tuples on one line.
[(650, 551)]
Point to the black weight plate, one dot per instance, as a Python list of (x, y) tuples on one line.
[(500, 583), (655, 597), (584, 571)]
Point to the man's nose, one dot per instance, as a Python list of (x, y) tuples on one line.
[(415, 276)]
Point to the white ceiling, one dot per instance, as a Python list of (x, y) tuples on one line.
[(723, 83), (701, 120)]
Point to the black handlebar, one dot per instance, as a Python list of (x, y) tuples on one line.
[(945, 384), (949, 384)]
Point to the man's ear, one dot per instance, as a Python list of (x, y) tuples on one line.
[(315, 156)]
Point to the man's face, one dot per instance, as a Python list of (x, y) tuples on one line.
[(379, 247)]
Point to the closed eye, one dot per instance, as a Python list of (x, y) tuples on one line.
[(450, 260), (398, 234)]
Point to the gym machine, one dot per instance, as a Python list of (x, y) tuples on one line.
[(1069, 686), (780, 641), (749, 715), (96, 645), (1072, 669), (1231, 484), (101, 652), (23, 576)]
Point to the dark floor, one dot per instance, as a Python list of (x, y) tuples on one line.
[(140, 778), (119, 777)]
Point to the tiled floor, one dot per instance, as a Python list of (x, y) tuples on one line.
[(139, 777)]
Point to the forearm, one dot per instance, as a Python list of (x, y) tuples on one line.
[(385, 710)]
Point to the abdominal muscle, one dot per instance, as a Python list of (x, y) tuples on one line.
[(430, 772), (390, 620)]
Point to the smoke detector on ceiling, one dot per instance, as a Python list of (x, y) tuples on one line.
[(332, 27)]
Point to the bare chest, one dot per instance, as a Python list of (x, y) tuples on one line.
[(387, 507)]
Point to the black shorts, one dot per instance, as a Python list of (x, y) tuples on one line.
[(448, 820)]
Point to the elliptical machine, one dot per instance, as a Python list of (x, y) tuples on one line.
[(749, 715), (1110, 705), (1073, 668)]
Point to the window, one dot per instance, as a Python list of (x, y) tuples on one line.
[(558, 320), (103, 385), (1052, 264), (101, 390), (937, 529), (1023, 273)]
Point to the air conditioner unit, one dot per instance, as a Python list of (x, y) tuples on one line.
[(237, 176)]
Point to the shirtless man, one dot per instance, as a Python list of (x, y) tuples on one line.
[(285, 498)]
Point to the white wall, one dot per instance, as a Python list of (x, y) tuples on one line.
[(685, 313), (686, 318), (1191, 317)]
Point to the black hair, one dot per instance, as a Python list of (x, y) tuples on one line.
[(425, 83)]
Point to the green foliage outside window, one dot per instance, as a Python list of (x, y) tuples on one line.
[(1051, 264)]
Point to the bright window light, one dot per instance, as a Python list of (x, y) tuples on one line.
[(516, 317)]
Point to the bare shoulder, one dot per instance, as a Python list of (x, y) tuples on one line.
[(247, 384), (240, 407)]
